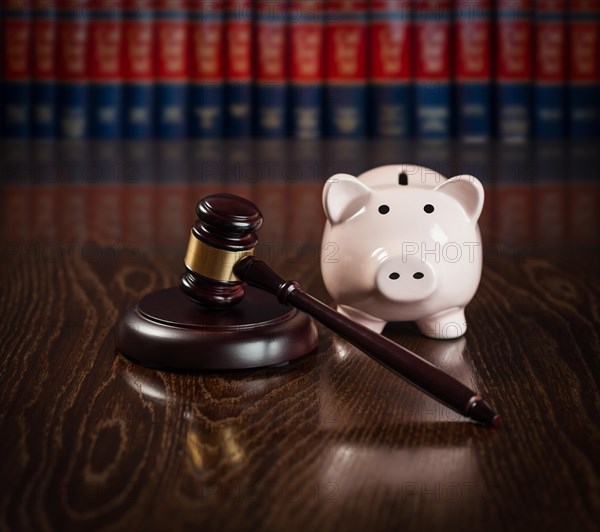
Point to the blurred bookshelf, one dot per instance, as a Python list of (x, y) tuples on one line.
[(473, 70)]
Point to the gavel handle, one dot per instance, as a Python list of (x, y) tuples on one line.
[(399, 360)]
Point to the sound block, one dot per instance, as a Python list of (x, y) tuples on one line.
[(168, 330)]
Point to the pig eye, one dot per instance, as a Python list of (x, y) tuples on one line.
[(383, 209), (428, 208)]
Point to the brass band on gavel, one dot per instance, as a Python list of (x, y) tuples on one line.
[(211, 262)]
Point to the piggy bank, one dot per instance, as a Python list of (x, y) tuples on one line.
[(401, 243)]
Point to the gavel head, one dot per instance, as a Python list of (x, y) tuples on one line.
[(224, 233)]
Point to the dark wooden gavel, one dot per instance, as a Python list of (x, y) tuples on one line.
[(219, 260)]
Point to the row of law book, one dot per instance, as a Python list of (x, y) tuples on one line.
[(467, 69)]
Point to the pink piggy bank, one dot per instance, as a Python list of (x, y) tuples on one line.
[(402, 244)]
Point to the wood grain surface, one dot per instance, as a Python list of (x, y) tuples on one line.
[(90, 440)]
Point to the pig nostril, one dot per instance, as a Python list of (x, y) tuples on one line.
[(418, 275), (394, 276)]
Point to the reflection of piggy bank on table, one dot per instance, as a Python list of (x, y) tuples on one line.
[(402, 244)]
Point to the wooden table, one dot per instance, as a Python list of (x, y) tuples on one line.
[(90, 440)]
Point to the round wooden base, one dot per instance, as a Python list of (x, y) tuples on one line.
[(167, 330)]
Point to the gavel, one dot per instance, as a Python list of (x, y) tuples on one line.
[(224, 315)]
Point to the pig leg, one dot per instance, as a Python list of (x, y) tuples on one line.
[(375, 324), (447, 324)]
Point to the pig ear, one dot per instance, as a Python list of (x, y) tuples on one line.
[(343, 196), (468, 191)]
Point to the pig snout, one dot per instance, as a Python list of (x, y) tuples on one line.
[(405, 279)]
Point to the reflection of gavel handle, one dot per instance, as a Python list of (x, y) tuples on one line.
[(394, 357)]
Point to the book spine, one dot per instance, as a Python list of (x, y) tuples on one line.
[(171, 68), (105, 60), (306, 69), (432, 73), (472, 76), (16, 43), (584, 72), (390, 68), (206, 117), (345, 69), (72, 69), (270, 93), (138, 69), (549, 69), (238, 68), (43, 89), (514, 69)]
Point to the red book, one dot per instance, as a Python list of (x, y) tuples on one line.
[(238, 67), (549, 69), (72, 67), (15, 30), (433, 70), (514, 69), (138, 68), (306, 68), (43, 90), (207, 44), (270, 95), (584, 68), (390, 68), (473, 69), (172, 68), (345, 69), (106, 73)]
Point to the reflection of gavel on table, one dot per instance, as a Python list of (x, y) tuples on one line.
[(222, 324)]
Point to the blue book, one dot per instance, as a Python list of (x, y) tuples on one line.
[(73, 72), (16, 47), (390, 69), (171, 106), (432, 73), (584, 74), (238, 68), (472, 70), (138, 70), (514, 69), (106, 31), (270, 94), (550, 69), (206, 97), (345, 69), (305, 19), (43, 89)]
